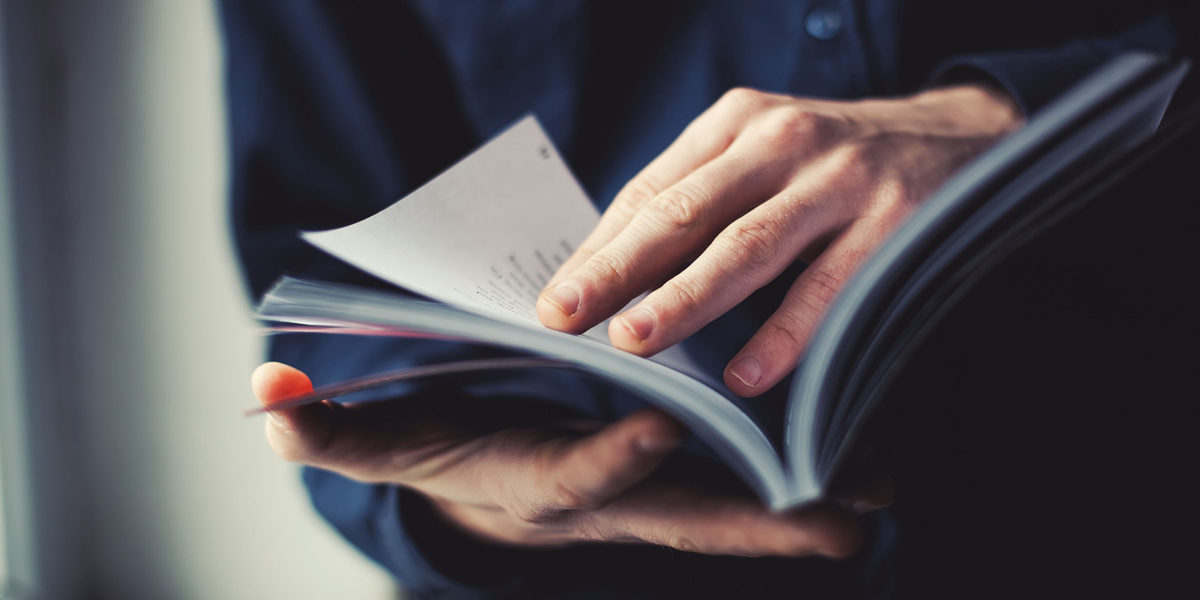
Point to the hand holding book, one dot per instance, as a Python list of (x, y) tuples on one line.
[(549, 485), (755, 183), (485, 236)]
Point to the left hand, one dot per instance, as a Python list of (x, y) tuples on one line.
[(755, 183), (556, 483)]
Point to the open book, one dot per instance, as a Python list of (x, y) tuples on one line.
[(482, 239)]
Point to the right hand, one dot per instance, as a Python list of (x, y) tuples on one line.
[(548, 487)]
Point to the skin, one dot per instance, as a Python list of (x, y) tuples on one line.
[(755, 183), (551, 486)]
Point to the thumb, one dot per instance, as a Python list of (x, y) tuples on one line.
[(294, 433), (591, 470)]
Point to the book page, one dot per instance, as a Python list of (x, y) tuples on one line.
[(484, 236)]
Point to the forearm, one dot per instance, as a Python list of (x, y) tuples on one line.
[(1033, 76)]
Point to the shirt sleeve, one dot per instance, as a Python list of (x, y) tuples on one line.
[(1035, 76)]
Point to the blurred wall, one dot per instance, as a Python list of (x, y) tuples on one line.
[(136, 344), (14, 479)]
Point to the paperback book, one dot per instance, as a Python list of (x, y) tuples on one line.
[(479, 242)]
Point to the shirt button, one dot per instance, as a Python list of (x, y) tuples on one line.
[(824, 22)]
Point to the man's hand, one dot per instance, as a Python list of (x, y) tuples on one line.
[(753, 184), (550, 487)]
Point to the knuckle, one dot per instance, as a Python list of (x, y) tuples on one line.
[(824, 282), (849, 157), (809, 301), (791, 125), (742, 98), (856, 162), (822, 286), (677, 208), (590, 527), (894, 201), (684, 294), (758, 243), (525, 502), (534, 513), (788, 330), (681, 539), (566, 497), (685, 543), (808, 304), (636, 194), (606, 269)]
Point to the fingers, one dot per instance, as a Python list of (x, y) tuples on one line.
[(675, 193), (368, 442), (296, 432), (775, 348), (533, 473), (702, 140), (580, 488), (745, 256), (687, 521), (664, 233), (687, 154), (651, 241), (589, 472)]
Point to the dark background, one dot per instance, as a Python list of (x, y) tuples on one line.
[(1047, 424)]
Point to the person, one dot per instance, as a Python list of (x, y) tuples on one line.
[(797, 135)]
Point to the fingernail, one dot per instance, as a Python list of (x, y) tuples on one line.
[(639, 322), (565, 298), (747, 370)]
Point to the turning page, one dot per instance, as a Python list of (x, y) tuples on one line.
[(484, 236)]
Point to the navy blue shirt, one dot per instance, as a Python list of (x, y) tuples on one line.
[(338, 109)]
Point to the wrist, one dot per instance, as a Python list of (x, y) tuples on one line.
[(979, 107)]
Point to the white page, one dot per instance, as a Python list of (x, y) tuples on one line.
[(485, 235)]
